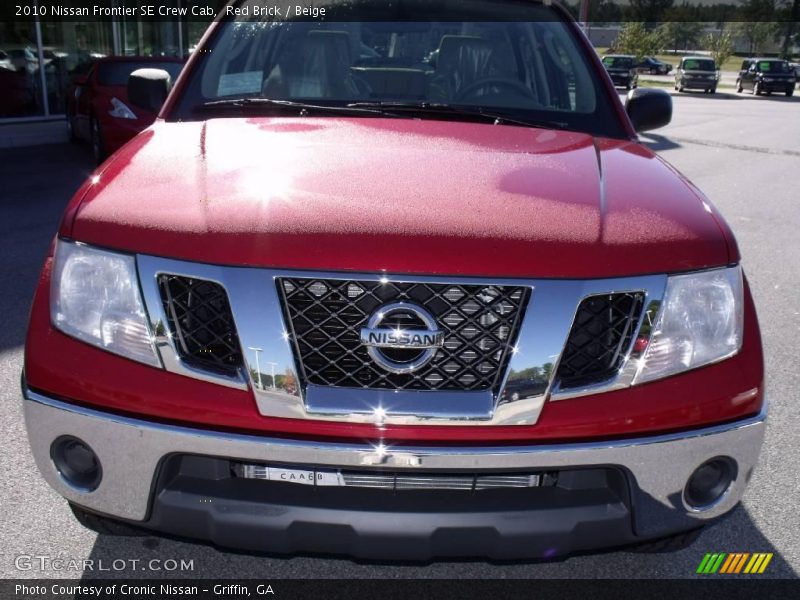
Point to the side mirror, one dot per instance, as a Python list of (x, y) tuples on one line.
[(148, 88), (648, 108)]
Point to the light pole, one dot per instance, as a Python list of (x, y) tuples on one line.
[(258, 366), (272, 366)]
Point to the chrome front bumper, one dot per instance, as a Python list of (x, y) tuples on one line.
[(131, 450)]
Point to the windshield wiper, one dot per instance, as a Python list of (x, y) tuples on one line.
[(302, 108), (386, 109), (457, 111)]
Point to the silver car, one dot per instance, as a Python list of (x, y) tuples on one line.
[(696, 73)]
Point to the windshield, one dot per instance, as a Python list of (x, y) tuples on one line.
[(117, 73), (530, 70), (618, 62), (773, 66), (695, 64)]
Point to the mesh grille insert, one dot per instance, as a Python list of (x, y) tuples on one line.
[(325, 316), (395, 481), (600, 338), (200, 321)]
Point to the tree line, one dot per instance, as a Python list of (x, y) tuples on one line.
[(662, 11), (650, 26)]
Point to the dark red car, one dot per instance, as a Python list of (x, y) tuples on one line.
[(98, 109), (397, 289)]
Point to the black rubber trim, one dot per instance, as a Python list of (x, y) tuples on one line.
[(196, 497)]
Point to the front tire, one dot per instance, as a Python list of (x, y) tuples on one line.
[(756, 89), (98, 149), (71, 130)]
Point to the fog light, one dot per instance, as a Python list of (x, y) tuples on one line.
[(709, 482), (77, 463)]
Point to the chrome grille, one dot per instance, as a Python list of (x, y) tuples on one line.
[(395, 481), (200, 321), (600, 338), (324, 317)]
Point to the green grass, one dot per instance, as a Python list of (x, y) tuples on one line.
[(645, 82), (653, 83)]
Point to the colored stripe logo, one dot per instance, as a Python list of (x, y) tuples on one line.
[(734, 563)]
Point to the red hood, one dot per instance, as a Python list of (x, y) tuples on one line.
[(404, 196)]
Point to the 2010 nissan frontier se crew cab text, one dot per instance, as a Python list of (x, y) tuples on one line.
[(396, 289)]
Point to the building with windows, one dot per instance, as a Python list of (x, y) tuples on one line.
[(39, 58)]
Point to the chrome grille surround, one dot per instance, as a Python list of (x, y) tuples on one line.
[(270, 373), (324, 317)]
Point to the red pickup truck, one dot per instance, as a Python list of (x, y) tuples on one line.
[(397, 289)]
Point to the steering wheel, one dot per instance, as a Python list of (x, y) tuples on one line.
[(508, 83)]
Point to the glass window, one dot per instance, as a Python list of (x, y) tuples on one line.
[(150, 38), (773, 66), (695, 64), (193, 31), (70, 49), (618, 62), (527, 67), (19, 71)]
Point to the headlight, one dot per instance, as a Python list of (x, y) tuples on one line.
[(700, 322), (120, 110), (94, 296)]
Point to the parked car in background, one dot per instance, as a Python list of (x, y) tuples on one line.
[(5, 61), (23, 59), (766, 75), (696, 73), (622, 69), (795, 67), (98, 109), (653, 66)]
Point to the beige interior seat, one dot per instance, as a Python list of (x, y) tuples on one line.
[(316, 65)]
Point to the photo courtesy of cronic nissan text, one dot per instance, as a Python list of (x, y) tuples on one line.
[(399, 299)]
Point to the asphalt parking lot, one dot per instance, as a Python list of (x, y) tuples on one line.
[(742, 151)]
